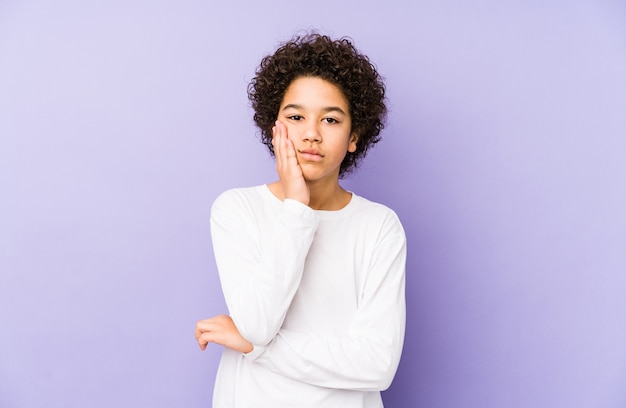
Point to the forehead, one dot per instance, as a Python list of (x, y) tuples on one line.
[(314, 92)]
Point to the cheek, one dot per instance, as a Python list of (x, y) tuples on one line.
[(291, 130)]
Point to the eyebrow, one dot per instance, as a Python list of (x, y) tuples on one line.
[(325, 109)]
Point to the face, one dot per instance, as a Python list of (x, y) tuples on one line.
[(318, 122)]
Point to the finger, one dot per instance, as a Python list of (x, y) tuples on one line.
[(275, 139), (207, 325), (278, 130), (199, 328), (209, 337), (279, 146), (283, 147), (202, 326), (203, 342), (206, 330), (290, 150), (287, 149)]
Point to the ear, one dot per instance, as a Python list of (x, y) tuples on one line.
[(354, 138)]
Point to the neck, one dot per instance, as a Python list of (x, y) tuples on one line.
[(327, 197), (323, 196)]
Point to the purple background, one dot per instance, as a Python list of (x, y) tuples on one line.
[(505, 157)]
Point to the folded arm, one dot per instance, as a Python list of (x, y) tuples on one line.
[(260, 270), (367, 357)]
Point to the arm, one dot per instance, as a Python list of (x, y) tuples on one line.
[(260, 270), (366, 358), (259, 285)]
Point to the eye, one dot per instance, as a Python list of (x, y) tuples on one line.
[(331, 120), (294, 117)]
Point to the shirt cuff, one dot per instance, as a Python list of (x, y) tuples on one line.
[(255, 353), (298, 212)]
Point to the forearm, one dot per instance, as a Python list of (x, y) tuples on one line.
[(364, 355), (260, 270), (365, 362)]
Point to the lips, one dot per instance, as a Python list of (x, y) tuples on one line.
[(311, 154)]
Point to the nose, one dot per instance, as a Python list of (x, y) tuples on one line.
[(312, 133)]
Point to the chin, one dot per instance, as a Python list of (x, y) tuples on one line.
[(311, 177), (315, 173)]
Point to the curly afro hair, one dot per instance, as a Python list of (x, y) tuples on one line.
[(336, 61)]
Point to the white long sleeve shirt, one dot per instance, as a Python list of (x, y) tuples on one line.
[(320, 294)]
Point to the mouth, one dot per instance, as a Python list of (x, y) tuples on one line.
[(311, 154)]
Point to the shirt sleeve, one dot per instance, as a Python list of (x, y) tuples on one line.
[(367, 357), (259, 270)]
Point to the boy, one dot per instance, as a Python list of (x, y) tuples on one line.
[(313, 275)]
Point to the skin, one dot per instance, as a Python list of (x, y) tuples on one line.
[(221, 330), (311, 138)]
